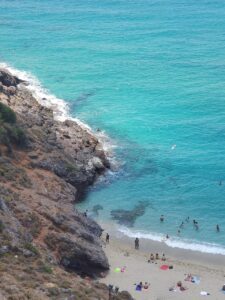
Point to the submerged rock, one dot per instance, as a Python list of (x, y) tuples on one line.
[(128, 217), (96, 208)]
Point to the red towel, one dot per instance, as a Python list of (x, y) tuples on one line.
[(164, 267)]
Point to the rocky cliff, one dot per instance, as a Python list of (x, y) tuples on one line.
[(48, 250)]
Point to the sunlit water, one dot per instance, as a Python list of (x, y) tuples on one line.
[(151, 74)]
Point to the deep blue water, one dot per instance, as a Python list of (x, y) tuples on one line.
[(151, 74)]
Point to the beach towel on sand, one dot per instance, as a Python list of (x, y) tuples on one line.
[(117, 270), (138, 288), (164, 267), (196, 279), (204, 293)]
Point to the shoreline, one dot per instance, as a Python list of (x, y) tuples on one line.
[(61, 114), (121, 253), (184, 261), (60, 108), (148, 246)]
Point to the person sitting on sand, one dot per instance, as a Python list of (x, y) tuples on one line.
[(139, 286), (189, 278), (146, 285), (163, 257), (151, 258), (157, 256), (180, 286), (223, 288)]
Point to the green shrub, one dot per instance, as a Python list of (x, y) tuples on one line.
[(15, 134), (32, 248), (46, 269), (1, 226), (7, 114), (3, 135)]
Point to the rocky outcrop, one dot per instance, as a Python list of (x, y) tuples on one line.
[(39, 183)]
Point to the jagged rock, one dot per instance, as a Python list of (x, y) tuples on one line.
[(7, 79), (83, 257), (4, 250), (38, 188)]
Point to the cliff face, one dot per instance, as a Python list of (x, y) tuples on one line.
[(41, 234)]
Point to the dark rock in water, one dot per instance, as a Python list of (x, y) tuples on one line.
[(80, 99), (8, 79), (128, 217), (96, 209)]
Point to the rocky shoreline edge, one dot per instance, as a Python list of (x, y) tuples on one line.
[(45, 167)]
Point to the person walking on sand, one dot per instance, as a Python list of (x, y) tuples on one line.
[(107, 238), (136, 243)]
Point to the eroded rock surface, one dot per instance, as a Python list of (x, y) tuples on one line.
[(41, 234)]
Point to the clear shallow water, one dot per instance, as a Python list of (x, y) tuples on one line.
[(152, 75)]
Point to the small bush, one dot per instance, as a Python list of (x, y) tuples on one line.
[(46, 269), (15, 134), (7, 114), (70, 168), (32, 248), (1, 226)]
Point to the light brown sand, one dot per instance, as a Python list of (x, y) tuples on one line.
[(121, 252)]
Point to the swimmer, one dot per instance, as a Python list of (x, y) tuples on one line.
[(217, 228), (182, 225), (162, 218), (173, 147)]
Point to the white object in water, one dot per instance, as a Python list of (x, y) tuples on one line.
[(173, 147)]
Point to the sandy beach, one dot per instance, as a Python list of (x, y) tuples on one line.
[(209, 270)]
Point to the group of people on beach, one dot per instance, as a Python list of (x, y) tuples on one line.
[(153, 257)]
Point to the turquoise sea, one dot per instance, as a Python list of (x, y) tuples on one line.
[(151, 75)]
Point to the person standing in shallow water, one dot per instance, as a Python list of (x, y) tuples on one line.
[(217, 228), (162, 218), (136, 243)]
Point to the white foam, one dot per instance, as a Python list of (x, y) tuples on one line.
[(175, 242), (60, 108)]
